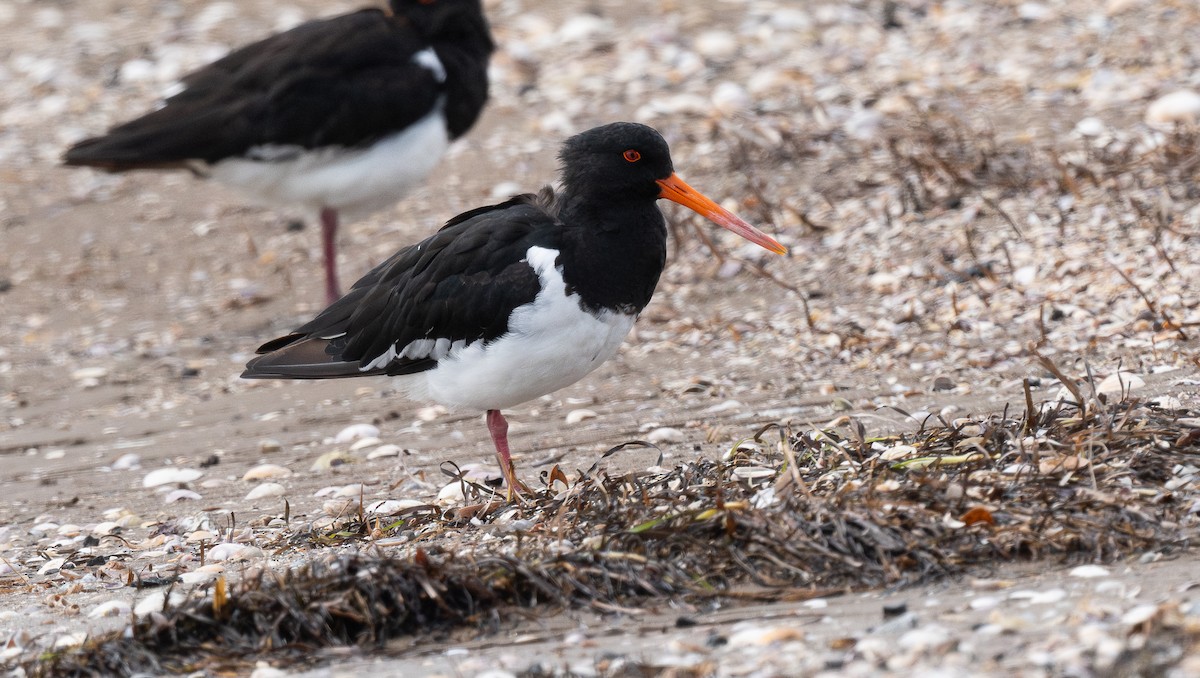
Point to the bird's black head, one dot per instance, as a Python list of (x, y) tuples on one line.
[(623, 164), (619, 161), (442, 18)]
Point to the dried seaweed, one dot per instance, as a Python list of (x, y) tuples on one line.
[(788, 514)]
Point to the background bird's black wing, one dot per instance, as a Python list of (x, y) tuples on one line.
[(344, 81), (460, 284)]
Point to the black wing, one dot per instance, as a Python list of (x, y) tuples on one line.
[(459, 285), (344, 81)]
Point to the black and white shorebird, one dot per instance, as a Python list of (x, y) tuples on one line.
[(341, 115), (513, 301)]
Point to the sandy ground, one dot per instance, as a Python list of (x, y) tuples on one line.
[(130, 303)]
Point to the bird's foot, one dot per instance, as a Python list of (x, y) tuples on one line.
[(515, 490)]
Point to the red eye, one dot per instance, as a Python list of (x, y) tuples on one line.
[(632, 155)]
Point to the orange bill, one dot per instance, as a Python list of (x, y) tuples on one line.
[(677, 190)]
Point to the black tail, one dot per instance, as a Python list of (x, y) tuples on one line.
[(297, 357)]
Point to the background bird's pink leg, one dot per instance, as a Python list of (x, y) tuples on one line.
[(498, 427), (329, 225)]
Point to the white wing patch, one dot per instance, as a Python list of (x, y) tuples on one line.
[(428, 59), (418, 349), (275, 152)]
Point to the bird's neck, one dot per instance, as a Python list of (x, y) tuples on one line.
[(464, 54), (612, 254)]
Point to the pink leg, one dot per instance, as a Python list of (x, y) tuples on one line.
[(329, 225), (498, 427)]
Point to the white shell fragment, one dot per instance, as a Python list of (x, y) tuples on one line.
[(181, 495), (89, 373), (351, 490), (127, 462), (173, 475), (69, 640), (1120, 384), (112, 608), (198, 577), (1090, 127), (1178, 107), (390, 507), (340, 507), (331, 460), (451, 494), (265, 471), (364, 443), (665, 434), (576, 416), (1140, 614), (1089, 571), (717, 44), (356, 432), (154, 601), (51, 566), (761, 636), (226, 551), (266, 490), (383, 451)]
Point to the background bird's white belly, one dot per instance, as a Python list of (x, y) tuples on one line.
[(551, 343), (346, 179)]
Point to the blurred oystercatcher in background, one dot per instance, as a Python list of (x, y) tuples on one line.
[(513, 301), (340, 115)]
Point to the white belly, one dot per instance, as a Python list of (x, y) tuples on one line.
[(551, 343), (350, 180)]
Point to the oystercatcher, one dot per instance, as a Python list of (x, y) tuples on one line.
[(510, 302), (340, 115)]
